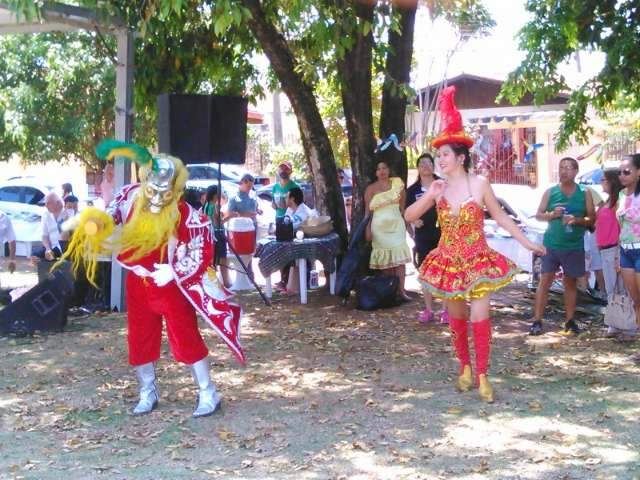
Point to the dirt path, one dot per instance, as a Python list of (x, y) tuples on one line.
[(329, 393)]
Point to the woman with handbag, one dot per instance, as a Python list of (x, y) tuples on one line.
[(385, 200), (426, 232), (628, 214), (607, 235), (463, 267)]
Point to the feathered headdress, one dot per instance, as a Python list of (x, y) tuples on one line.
[(108, 149), (451, 121)]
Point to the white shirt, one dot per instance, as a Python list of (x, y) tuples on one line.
[(50, 228), (7, 233), (300, 215)]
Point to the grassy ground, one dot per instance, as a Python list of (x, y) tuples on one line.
[(329, 393)]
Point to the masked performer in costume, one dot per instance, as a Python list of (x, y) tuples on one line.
[(463, 268), (167, 247)]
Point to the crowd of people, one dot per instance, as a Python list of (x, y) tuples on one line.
[(445, 218), (444, 215), (585, 234)]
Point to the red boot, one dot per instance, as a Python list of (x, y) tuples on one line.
[(458, 328), (482, 342)]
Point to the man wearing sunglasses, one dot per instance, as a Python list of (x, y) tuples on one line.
[(568, 207)]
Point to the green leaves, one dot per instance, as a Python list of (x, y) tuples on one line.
[(561, 29), (58, 96), (28, 10)]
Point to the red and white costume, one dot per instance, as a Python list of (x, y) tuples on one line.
[(192, 290)]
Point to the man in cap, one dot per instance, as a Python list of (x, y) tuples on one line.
[(280, 194), (244, 203), (281, 189)]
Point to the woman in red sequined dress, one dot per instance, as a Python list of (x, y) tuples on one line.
[(463, 267)]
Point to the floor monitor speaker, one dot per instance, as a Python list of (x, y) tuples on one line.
[(43, 308)]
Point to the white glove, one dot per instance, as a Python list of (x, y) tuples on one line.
[(162, 274)]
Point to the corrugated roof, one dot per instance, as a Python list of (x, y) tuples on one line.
[(516, 117)]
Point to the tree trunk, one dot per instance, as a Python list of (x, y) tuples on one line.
[(355, 77), (317, 147), (398, 70)]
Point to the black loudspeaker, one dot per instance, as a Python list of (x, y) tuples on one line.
[(63, 276), (203, 128), (43, 308)]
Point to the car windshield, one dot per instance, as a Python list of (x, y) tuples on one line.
[(205, 172), (592, 178), (522, 199), (527, 207)]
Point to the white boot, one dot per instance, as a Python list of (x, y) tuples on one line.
[(208, 398), (148, 391)]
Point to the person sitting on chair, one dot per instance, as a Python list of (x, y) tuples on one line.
[(297, 210)]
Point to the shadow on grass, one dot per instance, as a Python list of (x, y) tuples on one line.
[(329, 392)]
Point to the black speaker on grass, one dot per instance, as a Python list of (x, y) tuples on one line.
[(62, 275), (203, 128), (43, 308)]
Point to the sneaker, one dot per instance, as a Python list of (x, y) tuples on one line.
[(536, 328), (444, 318), (426, 316), (572, 327)]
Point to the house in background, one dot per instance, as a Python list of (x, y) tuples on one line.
[(514, 143)]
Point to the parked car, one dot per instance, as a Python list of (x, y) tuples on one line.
[(22, 199), (228, 187), (26, 190), (231, 173), (593, 177), (520, 202), (265, 192), (348, 177)]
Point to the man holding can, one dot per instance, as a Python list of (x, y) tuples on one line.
[(568, 207)]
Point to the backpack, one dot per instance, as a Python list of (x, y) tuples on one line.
[(377, 291)]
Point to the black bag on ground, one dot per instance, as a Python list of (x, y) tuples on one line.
[(284, 229), (355, 261), (377, 291)]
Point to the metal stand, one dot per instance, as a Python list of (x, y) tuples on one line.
[(229, 246)]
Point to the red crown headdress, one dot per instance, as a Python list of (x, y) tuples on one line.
[(451, 121)]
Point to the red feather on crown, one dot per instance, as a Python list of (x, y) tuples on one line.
[(451, 121)]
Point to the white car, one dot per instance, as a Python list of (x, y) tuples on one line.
[(231, 173), (228, 187), (521, 204), (22, 199), (593, 177)]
